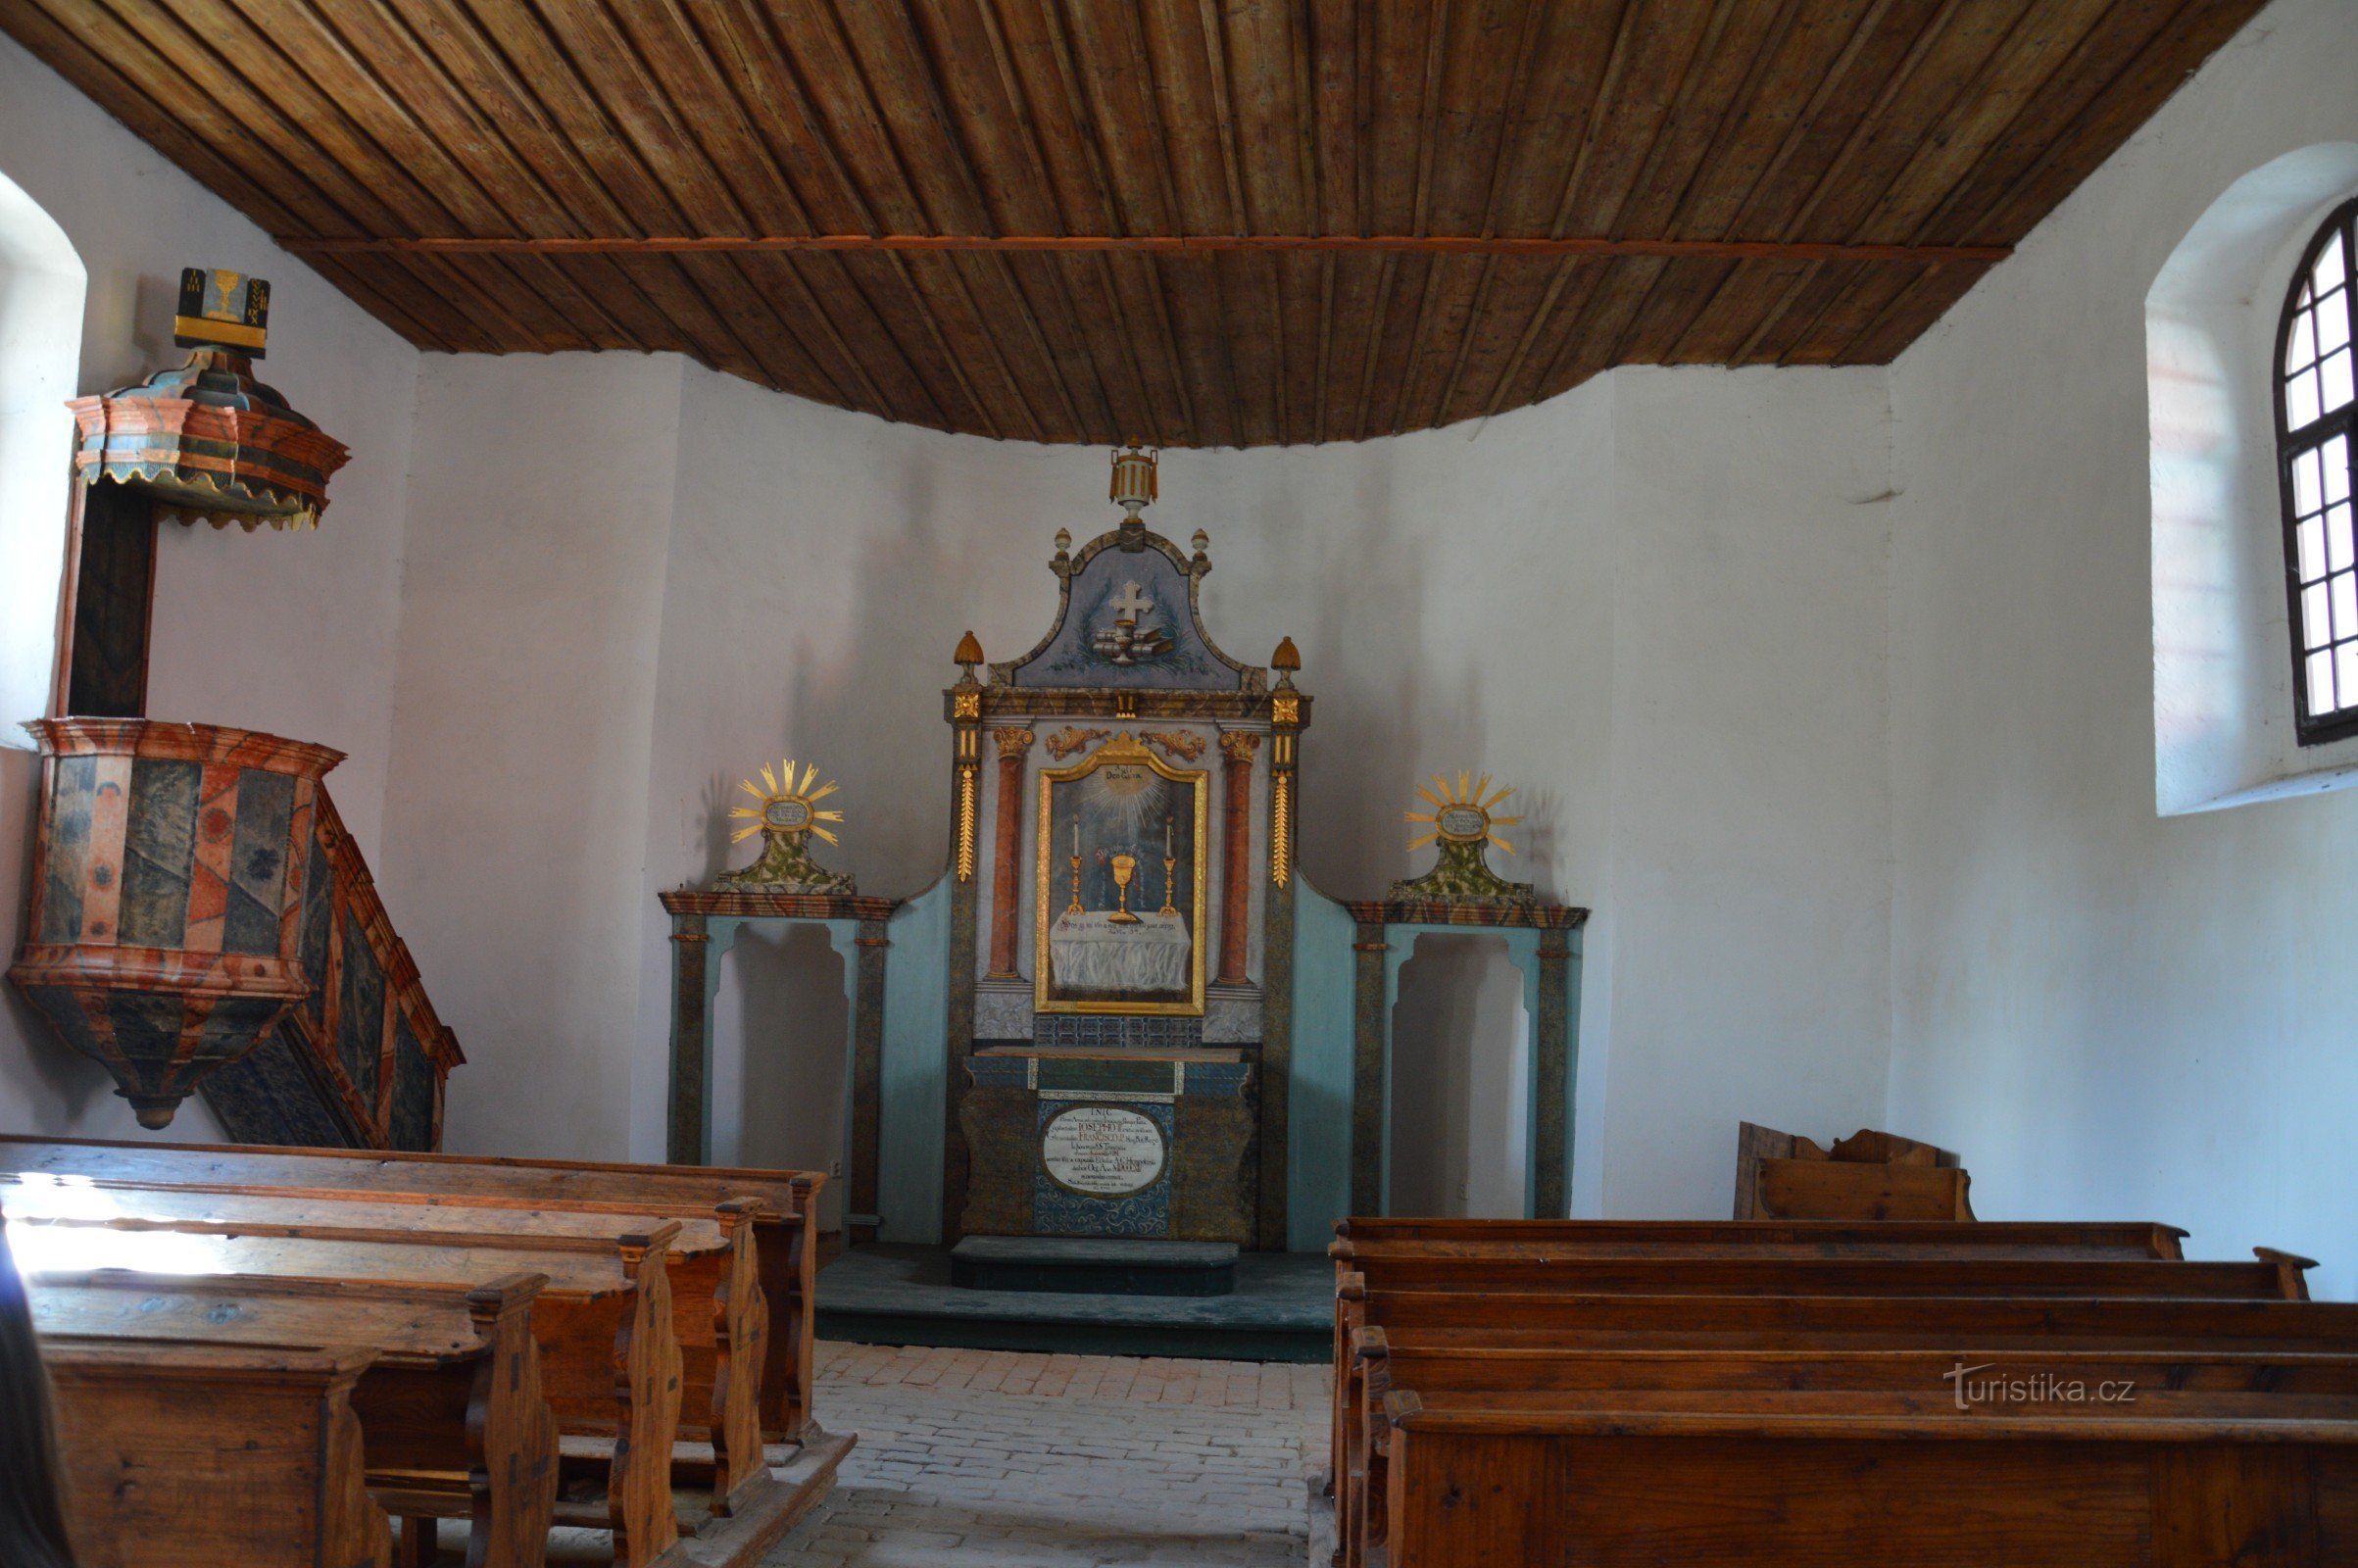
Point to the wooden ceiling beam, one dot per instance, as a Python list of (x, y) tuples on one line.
[(186, 103), (286, 55), (1400, 89), (1544, 313), (1501, 162), (904, 71), (1083, 291), (1136, 287), (1192, 222), (1668, 59), (850, 309), (1190, 299), (1134, 292), (1718, 179)]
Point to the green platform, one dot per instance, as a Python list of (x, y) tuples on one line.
[(1087, 1265), (1282, 1309)]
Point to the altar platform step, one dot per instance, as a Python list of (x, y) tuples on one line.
[(1090, 1265), (1282, 1309)]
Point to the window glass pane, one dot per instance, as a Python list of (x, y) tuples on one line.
[(2338, 537), (2320, 682), (2334, 320), (2300, 400), (2336, 374), (2329, 269), (2300, 340), (2317, 628), (2313, 549), (2345, 680), (2308, 491), (2336, 457), (2345, 606)]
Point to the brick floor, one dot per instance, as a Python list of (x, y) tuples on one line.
[(1013, 1458)]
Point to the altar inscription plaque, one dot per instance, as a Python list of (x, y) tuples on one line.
[(1101, 1151)]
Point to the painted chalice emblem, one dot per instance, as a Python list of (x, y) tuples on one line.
[(1125, 867)]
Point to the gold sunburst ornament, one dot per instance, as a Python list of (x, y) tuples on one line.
[(1464, 824), (785, 812)]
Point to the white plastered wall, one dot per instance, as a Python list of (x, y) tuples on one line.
[(2113, 1013)]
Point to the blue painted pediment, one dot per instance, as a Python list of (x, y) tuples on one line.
[(1127, 620)]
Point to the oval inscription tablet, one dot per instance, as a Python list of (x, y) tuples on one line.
[(1462, 823), (1103, 1150)]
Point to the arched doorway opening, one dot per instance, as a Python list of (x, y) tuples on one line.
[(1460, 1076)]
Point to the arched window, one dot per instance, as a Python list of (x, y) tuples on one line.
[(2315, 444)]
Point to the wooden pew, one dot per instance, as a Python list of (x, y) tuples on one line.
[(212, 1456), (452, 1417), (719, 1317), (1868, 1176), (2270, 1274), (785, 1246), (1477, 1237), (2095, 1369), (1664, 1264), (1712, 1276), (1780, 1479), (610, 1358)]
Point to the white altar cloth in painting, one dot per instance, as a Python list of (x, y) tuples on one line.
[(1091, 952)]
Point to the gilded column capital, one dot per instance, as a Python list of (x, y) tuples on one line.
[(1012, 742), (1240, 745)]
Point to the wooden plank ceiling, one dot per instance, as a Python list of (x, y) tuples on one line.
[(1202, 223)]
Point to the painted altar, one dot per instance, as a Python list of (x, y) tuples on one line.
[(1122, 1013)]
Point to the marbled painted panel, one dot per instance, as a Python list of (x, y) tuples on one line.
[(68, 849), (159, 844), (318, 914), (266, 803), (360, 1030), (412, 1119)]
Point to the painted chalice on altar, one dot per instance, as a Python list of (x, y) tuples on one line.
[(1103, 949), (785, 814)]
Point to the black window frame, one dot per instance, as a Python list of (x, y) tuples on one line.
[(2341, 723)]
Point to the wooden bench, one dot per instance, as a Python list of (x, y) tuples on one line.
[(212, 1456), (2091, 1368), (784, 1246), (451, 1416), (719, 1317), (2270, 1274), (1783, 1478), (1664, 1264), (610, 1357), (1868, 1176), (1480, 1238), (1469, 1323)]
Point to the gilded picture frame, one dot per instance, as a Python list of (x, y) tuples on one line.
[(1117, 925)]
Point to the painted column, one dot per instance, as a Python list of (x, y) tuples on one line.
[(1237, 747), (966, 777), (1551, 1058), (691, 1040), (868, 1074), (1371, 1032), (1006, 847), (1277, 948)]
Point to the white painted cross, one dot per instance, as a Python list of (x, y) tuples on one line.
[(1133, 604)]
